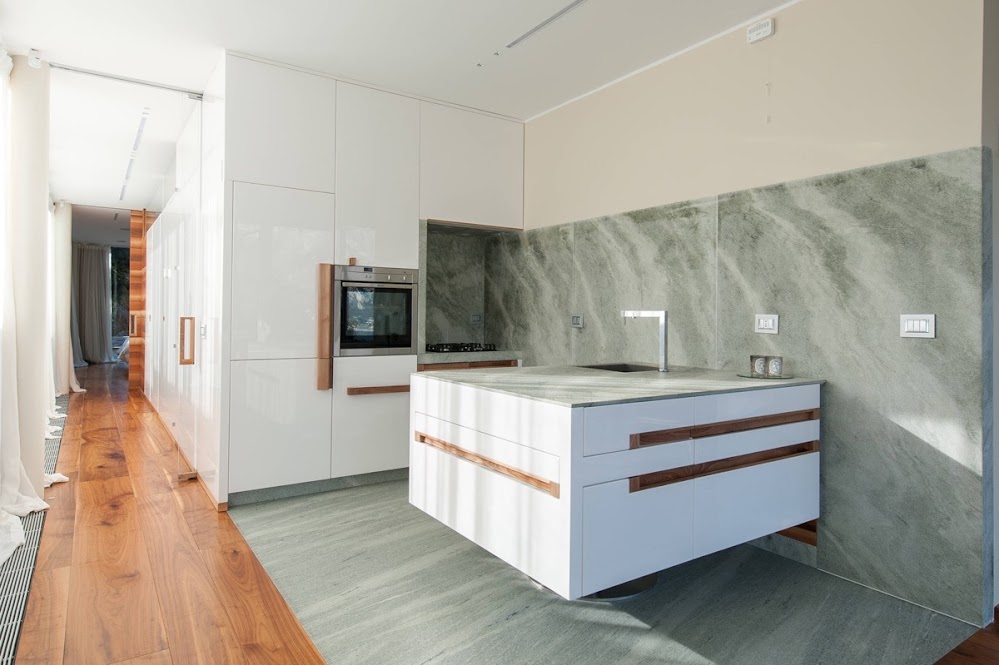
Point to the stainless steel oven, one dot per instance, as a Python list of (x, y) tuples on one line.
[(374, 311)]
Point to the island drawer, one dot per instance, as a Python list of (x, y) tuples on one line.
[(608, 429), (630, 534), (472, 444)]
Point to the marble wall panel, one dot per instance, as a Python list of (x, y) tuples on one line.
[(839, 258), (455, 283), (528, 294), (656, 259)]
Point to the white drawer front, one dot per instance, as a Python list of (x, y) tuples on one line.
[(737, 506), (630, 534), (521, 458), (626, 463), (752, 403), (608, 429), (718, 447)]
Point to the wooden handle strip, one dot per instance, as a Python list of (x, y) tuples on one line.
[(683, 473), (186, 321), (324, 355), (377, 390), (547, 486), (714, 429)]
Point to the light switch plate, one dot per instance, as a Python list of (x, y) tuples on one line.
[(576, 320), (766, 324), (918, 325)]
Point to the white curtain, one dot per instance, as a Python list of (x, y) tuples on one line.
[(92, 295), (17, 496)]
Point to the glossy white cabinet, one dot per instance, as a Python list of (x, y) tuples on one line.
[(370, 431), (279, 424), (279, 126), (280, 236), (377, 177), (471, 167)]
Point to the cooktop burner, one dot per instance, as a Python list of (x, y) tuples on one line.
[(459, 347)]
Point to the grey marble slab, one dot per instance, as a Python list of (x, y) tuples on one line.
[(528, 291), (374, 580), (455, 287), (661, 258), (839, 258), (579, 387), (466, 357)]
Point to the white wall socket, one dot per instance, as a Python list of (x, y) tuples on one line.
[(766, 324), (576, 320), (918, 325)]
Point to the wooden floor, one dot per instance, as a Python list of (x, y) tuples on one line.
[(135, 567), (981, 648)]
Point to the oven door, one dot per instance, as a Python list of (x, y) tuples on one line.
[(374, 319)]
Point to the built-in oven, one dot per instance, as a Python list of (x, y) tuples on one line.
[(374, 311)]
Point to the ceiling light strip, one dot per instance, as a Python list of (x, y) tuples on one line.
[(548, 21), (193, 94)]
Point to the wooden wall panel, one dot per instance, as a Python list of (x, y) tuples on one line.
[(139, 224)]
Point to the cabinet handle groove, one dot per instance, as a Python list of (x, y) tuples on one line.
[(377, 390), (185, 323), (678, 475), (547, 486), (714, 429), (324, 355)]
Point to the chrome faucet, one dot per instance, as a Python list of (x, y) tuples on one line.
[(663, 336)]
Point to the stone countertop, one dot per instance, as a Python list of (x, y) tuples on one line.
[(579, 387), (480, 356)]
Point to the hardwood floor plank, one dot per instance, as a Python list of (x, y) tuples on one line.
[(113, 611), (267, 630), (158, 658), (43, 635), (196, 622), (120, 576)]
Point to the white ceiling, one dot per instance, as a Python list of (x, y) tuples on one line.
[(93, 125), (428, 48), (99, 226)]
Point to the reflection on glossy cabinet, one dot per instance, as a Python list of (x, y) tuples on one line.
[(471, 167), (370, 431), (279, 425), (279, 126), (377, 177), (280, 236)]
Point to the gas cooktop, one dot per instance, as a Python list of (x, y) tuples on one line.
[(459, 347)]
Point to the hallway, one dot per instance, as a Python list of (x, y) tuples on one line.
[(136, 567)]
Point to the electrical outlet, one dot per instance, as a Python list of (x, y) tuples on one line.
[(918, 325), (766, 324), (476, 319), (576, 320)]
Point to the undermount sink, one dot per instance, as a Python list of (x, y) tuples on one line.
[(622, 367)]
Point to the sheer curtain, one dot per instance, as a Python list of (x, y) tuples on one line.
[(17, 496), (92, 296)]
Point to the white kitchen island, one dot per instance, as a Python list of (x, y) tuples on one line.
[(584, 479)]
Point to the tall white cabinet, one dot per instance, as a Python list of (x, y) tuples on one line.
[(298, 169), (471, 167), (377, 177)]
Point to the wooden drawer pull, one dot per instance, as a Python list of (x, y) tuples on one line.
[(548, 486), (377, 390), (680, 474), (714, 429)]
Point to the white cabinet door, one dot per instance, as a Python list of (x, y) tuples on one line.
[(471, 167), (280, 236), (279, 126), (279, 432), (370, 431), (377, 177)]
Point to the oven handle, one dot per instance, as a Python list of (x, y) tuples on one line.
[(377, 284)]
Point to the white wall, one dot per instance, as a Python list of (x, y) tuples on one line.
[(842, 84)]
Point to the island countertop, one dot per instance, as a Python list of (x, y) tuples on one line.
[(581, 387)]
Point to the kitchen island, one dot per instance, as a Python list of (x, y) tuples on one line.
[(584, 479)]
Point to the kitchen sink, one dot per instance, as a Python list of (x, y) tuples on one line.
[(622, 367)]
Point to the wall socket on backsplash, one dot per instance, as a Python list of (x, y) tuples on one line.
[(767, 324), (576, 320), (475, 320)]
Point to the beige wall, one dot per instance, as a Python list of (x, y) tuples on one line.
[(843, 84)]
